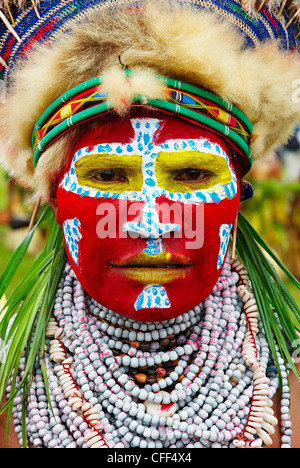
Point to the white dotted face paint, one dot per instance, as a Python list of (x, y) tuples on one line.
[(153, 155), (225, 231), (72, 234), (144, 145), (154, 246), (153, 297)]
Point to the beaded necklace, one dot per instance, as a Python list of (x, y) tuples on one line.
[(204, 379)]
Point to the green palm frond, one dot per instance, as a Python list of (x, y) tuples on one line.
[(279, 312), (26, 312)]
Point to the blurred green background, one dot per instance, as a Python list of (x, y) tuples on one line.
[(7, 238)]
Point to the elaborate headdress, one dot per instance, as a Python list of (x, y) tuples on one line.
[(231, 66), (245, 55)]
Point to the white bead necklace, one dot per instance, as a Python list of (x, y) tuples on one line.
[(207, 381)]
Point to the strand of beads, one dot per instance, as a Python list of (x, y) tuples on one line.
[(144, 337), (45, 423), (261, 420), (285, 422), (272, 373), (89, 413), (226, 403), (120, 396), (205, 401)]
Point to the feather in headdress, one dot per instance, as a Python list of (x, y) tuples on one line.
[(253, 7), (18, 3), (7, 5)]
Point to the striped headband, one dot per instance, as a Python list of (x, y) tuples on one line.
[(201, 107)]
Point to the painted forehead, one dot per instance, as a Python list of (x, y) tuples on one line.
[(122, 131), (151, 135), (147, 141)]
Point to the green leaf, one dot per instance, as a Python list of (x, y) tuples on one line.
[(270, 292), (246, 226), (18, 255), (27, 310)]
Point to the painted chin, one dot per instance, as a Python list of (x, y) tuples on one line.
[(174, 281)]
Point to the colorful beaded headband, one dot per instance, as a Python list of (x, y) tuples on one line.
[(88, 101)]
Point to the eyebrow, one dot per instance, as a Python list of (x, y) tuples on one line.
[(197, 144), (183, 157), (99, 159)]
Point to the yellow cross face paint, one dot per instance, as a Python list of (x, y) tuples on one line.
[(170, 172), (176, 172), (110, 172)]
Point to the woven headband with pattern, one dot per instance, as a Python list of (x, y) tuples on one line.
[(88, 100), (25, 23)]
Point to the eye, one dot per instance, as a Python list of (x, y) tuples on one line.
[(194, 175), (109, 176)]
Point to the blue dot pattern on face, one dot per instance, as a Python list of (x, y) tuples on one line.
[(153, 297), (225, 231), (149, 226), (154, 246), (144, 144), (72, 235)]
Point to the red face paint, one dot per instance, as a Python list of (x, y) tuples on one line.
[(156, 249)]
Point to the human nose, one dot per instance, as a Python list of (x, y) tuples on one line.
[(150, 226)]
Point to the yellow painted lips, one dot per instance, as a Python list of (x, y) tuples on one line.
[(161, 269)]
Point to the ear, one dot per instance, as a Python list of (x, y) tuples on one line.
[(247, 191)]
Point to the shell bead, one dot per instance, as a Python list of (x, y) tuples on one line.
[(199, 380)]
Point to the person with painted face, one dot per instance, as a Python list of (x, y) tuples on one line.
[(156, 328), (153, 200)]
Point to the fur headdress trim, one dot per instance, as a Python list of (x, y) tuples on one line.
[(178, 42)]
